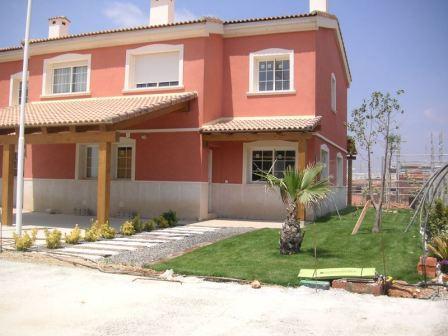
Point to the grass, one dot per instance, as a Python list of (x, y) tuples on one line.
[(255, 255)]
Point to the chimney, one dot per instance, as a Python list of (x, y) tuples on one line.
[(58, 26), (319, 5), (162, 12)]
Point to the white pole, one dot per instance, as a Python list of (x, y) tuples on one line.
[(21, 144)]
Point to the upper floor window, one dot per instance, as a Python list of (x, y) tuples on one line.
[(70, 79), (67, 74), (325, 160), (20, 93), (15, 90), (271, 71), (154, 67), (333, 93)]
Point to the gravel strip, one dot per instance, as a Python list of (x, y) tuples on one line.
[(173, 248)]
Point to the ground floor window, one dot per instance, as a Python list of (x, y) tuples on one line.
[(124, 162), (340, 170), (122, 165), (91, 162), (271, 161), (325, 160)]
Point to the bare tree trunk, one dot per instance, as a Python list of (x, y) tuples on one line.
[(379, 207), (291, 236), (369, 173)]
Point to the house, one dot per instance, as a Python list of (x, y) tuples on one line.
[(177, 115)]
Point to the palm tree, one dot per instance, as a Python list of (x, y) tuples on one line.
[(297, 188)]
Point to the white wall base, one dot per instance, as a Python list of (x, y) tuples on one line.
[(254, 201), (188, 199)]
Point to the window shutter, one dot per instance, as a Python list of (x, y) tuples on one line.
[(156, 68)]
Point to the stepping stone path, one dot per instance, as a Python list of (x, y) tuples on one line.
[(105, 248)]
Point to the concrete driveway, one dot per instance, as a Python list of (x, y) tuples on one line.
[(49, 300)]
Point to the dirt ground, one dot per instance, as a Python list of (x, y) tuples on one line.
[(43, 299)]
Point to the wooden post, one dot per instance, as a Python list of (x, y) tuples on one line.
[(8, 184), (301, 213), (103, 196), (349, 181)]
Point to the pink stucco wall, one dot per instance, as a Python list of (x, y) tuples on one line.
[(218, 70), (236, 102)]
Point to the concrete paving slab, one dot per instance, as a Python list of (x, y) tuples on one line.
[(111, 247), (149, 240), (89, 251), (217, 223), (125, 243)]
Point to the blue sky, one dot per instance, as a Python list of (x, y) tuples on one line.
[(392, 44)]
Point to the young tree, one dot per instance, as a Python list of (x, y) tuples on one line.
[(374, 120), (297, 188)]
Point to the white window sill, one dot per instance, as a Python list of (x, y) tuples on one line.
[(155, 89), (63, 95), (271, 93)]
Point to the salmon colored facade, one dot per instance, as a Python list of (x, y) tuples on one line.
[(172, 165)]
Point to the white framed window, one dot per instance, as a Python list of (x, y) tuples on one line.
[(268, 156), (339, 170), (325, 160), (271, 71), (15, 89), (333, 93), (66, 75), (122, 160), (154, 67), (91, 167)]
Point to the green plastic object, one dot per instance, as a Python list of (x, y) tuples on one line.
[(315, 284), (337, 273)]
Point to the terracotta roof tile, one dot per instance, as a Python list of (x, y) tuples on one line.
[(107, 110), (146, 27), (273, 124)]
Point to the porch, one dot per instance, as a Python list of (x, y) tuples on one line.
[(98, 121), (262, 143)]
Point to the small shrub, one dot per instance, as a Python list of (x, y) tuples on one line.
[(171, 217), (91, 235), (138, 224), (439, 247), (438, 220), (127, 228), (74, 236), (150, 225), (104, 230), (24, 242), (161, 222), (53, 239), (98, 231)]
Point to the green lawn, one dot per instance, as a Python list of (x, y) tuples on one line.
[(255, 255)]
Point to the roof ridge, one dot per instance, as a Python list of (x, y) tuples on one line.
[(202, 19)]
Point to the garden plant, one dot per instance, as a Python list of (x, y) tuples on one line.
[(297, 188)]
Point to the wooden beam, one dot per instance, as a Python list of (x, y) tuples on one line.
[(8, 184), (301, 212), (287, 136), (62, 138), (361, 218), (138, 120), (103, 196)]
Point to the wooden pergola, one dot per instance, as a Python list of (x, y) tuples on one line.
[(104, 131)]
